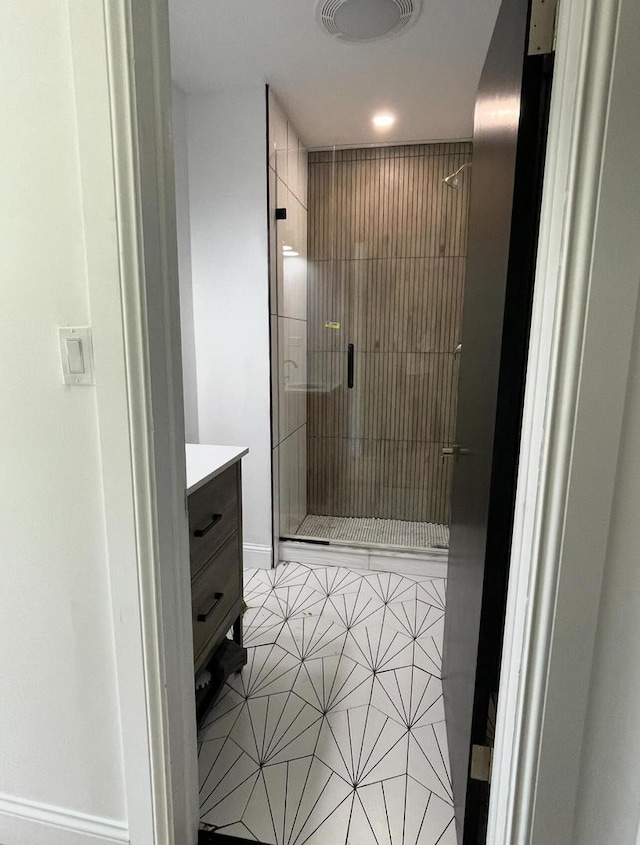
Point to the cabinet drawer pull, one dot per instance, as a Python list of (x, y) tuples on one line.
[(202, 617), (200, 532)]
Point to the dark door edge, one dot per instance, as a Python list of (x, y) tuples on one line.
[(211, 837)]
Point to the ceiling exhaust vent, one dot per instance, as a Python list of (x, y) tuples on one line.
[(366, 20)]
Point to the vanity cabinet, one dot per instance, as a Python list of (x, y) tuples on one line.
[(214, 501)]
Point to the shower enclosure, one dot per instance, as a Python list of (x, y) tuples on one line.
[(384, 292)]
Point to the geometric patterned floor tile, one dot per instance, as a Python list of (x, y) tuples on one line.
[(333, 733), (380, 648), (276, 728), (428, 759), (363, 746), (410, 696), (270, 669), (334, 683), (416, 618), (312, 637)]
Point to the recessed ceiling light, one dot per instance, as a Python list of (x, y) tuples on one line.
[(287, 248), (383, 120), (291, 254)]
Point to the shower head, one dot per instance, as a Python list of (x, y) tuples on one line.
[(452, 181)]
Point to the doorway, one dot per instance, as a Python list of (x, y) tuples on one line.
[(367, 254)]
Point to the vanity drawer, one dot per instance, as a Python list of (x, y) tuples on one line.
[(214, 592), (213, 517)]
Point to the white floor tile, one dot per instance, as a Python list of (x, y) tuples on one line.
[(333, 733), (409, 696), (270, 669), (334, 683), (427, 762)]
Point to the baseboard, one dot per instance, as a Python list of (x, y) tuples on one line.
[(24, 822), (257, 557), (430, 563)]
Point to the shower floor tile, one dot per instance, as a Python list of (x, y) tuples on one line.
[(334, 731), (387, 532)]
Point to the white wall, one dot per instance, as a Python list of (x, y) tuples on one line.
[(609, 796), (180, 155), (60, 741), (228, 205)]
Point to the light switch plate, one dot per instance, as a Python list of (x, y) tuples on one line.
[(76, 355)]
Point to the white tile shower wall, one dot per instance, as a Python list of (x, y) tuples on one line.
[(274, 254), (288, 304), (291, 266)]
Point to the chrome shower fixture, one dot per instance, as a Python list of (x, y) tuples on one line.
[(453, 181)]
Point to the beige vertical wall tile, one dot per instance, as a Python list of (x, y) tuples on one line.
[(302, 475), (303, 175), (387, 247)]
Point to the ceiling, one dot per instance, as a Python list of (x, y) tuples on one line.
[(426, 76)]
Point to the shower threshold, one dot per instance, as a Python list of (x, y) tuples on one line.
[(372, 532)]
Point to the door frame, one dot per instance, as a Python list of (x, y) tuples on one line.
[(580, 347), (121, 65), (573, 379)]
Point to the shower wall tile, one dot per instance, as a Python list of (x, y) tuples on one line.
[(302, 496), (389, 398), (327, 402), (288, 279), (293, 481), (274, 252), (278, 154), (292, 351), (288, 454), (358, 477), (394, 391), (391, 206), (407, 305), (391, 305), (275, 475), (387, 247), (328, 301), (292, 270), (293, 161), (275, 380), (303, 175)]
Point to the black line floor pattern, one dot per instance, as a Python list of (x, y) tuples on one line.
[(334, 733)]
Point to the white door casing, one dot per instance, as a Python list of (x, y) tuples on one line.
[(123, 95), (583, 320)]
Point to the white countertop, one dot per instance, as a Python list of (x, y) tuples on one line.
[(205, 462)]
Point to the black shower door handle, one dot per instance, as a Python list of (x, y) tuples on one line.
[(350, 365)]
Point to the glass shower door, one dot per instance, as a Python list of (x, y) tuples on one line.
[(387, 243)]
